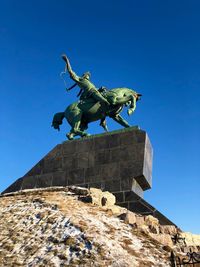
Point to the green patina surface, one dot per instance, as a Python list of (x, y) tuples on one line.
[(94, 104)]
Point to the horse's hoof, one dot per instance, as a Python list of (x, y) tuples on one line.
[(70, 136), (130, 112), (85, 135)]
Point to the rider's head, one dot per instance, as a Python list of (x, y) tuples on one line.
[(86, 75), (102, 89)]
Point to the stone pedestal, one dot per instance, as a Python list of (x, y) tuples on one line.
[(116, 161), (119, 162)]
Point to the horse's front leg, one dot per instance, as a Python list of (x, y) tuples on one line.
[(76, 125), (120, 120)]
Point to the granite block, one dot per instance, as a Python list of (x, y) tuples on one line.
[(37, 169), (148, 156), (29, 182), (52, 165), (130, 137), (126, 183), (76, 176), (136, 188), (112, 186), (69, 147), (163, 220), (113, 140), (98, 185), (142, 181), (86, 146), (100, 143), (114, 154), (69, 163), (102, 157), (83, 185), (93, 178), (56, 152), (91, 159), (129, 154), (82, 160), (119, 197), (109, 171), (145, 203), (59, 179), (138, 207), (44, 180), (92, 171), (130, 169), (131, 196)]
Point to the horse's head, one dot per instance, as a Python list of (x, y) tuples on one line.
[(132, 103)]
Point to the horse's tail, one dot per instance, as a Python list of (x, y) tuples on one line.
[(57, 120)]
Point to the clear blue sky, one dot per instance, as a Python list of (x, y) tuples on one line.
[(150, 46)]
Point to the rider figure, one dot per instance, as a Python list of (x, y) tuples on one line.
[(88, 89)]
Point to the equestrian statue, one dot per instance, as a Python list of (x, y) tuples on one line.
[(94, 104)]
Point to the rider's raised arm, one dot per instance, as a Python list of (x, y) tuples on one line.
[(72, 74)]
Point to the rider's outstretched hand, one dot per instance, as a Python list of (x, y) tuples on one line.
[(64, 57)]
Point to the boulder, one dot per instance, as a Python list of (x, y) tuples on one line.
[(102, 198), (191, 239), (128, 217), (168, 229), (152, 223), (115, 210), (164, 239), (139, 220), (78, 190)]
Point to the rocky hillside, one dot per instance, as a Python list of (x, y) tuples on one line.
[(77, 227)]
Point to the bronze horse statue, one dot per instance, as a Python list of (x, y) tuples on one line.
[(80, 113)]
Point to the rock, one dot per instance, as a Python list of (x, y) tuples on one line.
[(54, 228), (139, 220), (164, 239), (102, 198), (152, 223), (167, 248), (168, 229), (115, 210), (191, 239), (79, 190), (128, 217), (144, 229), (85, 199)]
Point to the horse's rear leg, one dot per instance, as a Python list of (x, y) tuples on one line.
[(76, 127)]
